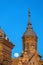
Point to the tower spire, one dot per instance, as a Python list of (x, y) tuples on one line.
[(29, 30)]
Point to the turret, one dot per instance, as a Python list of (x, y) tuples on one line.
[(29, 38)]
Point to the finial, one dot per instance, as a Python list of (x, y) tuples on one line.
[(29, 22), (29, 14)]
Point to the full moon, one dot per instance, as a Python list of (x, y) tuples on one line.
[(16, 54)]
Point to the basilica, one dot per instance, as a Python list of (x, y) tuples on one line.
[(29, 56)]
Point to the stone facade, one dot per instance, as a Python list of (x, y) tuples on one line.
[(5, 49), (29, 56)]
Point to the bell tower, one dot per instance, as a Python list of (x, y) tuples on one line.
[(29, 38)]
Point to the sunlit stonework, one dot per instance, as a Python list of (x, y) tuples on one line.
[(29, 56)]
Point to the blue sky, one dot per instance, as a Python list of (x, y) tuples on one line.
[(14, 20)]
